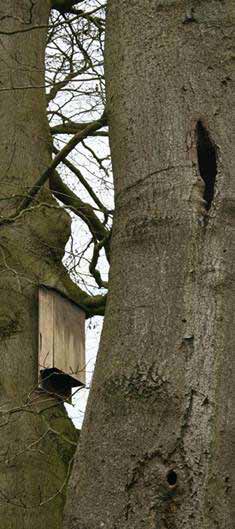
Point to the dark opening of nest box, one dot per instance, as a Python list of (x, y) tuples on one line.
[(61, 354), (56, 382)]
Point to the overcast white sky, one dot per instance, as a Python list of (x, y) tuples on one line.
[(77, 409)]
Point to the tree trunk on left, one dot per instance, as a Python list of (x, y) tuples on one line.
[(37, 440)]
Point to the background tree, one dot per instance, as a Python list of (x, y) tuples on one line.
[(156, 447), (37, 439)]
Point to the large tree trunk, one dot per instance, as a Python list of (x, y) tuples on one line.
[(156, 447), (37, 440)]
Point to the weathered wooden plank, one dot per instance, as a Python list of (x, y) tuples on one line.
[(45, 329), (69, 337)]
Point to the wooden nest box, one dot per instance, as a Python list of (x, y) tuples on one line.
[(61, 357)]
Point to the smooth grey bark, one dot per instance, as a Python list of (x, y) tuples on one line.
[(37, 440), (156, 447)]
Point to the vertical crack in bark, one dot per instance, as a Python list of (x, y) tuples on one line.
[(207, 162)]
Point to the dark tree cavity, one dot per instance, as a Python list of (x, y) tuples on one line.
[(206, 153)]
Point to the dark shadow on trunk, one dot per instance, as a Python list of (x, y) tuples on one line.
[(206, 153)]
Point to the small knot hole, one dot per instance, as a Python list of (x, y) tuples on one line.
[(171, 478)]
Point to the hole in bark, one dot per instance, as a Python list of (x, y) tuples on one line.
[(206, 153), (171, 478)]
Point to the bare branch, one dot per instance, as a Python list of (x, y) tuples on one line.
[(93, 270), (58, 159), (70, 127), (82, 209), (84, 182), (61, 84)]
